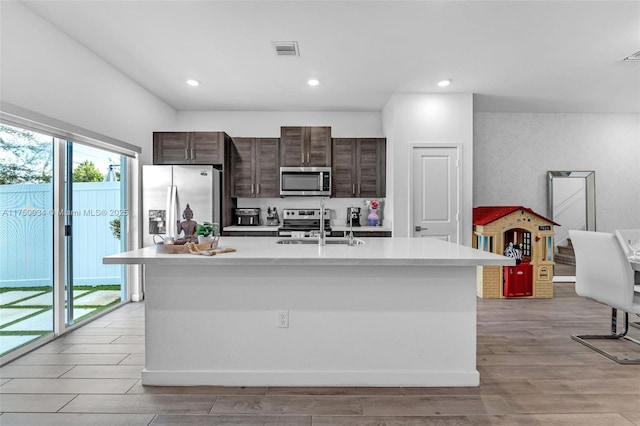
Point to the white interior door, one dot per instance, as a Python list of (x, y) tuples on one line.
[(436, 193)]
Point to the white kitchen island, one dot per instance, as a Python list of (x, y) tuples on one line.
[(392, 312)]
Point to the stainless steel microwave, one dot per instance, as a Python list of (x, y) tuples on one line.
[(305, 181)]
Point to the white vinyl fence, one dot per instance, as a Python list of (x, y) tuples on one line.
[(26, 234)]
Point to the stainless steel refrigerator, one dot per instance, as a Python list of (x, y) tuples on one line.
[(166, 191)]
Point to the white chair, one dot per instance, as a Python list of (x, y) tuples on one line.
[(604, 274)]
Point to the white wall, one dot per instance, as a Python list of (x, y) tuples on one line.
[(45, 71), (514, 151), (426, 118)]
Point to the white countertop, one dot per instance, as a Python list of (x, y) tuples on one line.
[(376, 251), (251, 228)]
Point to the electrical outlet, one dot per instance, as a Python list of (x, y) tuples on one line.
[(283, 319)]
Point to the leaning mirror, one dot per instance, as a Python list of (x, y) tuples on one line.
[(572, 204)]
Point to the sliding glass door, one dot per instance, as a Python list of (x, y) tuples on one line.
[(95, 201), (48, 284), (26, 237)]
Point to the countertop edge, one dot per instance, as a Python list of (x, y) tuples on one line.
[(377, 251), (219, 260)]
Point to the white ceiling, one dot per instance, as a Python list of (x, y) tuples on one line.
[(520, 56)]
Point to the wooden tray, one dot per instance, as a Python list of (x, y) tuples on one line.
[(183, 248)]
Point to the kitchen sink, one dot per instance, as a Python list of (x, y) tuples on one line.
[(343, 241)]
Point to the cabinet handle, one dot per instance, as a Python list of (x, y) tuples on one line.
[(252, 188), (257, 188), (353, 189), (308, 154), (186, 153), (302, 158)]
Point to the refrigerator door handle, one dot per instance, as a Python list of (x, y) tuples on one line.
[(172, 211)]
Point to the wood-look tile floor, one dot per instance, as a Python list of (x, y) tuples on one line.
[(531, 373)]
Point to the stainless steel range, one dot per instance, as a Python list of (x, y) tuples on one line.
[(303, 222)]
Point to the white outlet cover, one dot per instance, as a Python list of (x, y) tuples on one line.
[(283, 319)]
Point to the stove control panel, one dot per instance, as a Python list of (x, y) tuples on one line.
[(304, 213)]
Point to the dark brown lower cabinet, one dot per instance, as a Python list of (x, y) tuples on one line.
[(361, 234)]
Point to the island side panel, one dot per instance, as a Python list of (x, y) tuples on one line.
[(348, 326)]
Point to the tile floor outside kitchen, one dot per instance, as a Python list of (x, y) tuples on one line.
[(531, 373)]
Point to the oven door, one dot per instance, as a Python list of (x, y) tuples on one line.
[(305, 181)]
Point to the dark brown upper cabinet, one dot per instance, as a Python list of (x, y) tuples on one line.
[(198, 148), (305, 146), (255, 168), (189, 147), (359, 167)]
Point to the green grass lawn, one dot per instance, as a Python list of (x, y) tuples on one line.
[(21, 302)]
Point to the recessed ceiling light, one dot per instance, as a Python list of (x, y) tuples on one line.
[(313, 82), (444, 83), (193, 82)]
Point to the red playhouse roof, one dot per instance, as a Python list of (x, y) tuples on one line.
[(487, 214)]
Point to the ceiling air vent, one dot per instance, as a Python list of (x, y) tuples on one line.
[(286, 48), (633, 57)]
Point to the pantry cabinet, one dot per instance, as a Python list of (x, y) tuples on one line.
[(359, 167), (305, 146), (255, 168)]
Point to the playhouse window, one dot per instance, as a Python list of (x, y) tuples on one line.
[(526, 244), (485, 243), (548, 252), (488, 243)]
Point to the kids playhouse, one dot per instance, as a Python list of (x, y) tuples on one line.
[(518, 232)]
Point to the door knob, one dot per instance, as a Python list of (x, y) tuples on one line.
[(419, 228)]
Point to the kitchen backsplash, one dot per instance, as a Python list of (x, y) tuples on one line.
[(338, 207)]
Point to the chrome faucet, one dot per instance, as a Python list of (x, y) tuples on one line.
[(351, 241), (322, 238)]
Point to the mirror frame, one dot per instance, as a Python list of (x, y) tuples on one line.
[(590, 187)]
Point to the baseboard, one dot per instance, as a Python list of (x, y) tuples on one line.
[(564, 279), (311, 378)]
